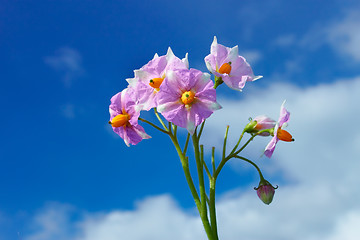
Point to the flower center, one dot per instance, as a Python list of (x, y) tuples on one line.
[(156, 82), (188, 97), (225, 68), (284, 135), (120, 120)]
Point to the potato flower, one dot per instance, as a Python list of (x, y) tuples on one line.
[(227, 64), (187, 97), (279, 133), (124, 117), (148, 79)]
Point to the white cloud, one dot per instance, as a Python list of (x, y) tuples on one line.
[(320, 201), (286, 40), (344, 35), (252, 56), (68, 61), (52, 223)]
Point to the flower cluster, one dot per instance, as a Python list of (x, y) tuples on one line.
[(185, 97)]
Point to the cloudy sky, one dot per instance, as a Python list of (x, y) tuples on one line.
[(65, 175)]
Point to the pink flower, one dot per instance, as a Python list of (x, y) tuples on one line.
[(226, 64), (148, 79), (124, 117), (187, 97), (279, 133)]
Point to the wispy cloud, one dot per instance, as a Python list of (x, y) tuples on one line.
[(342, 34), (252, 56), (68, 111), (320, 201), (68, 61)]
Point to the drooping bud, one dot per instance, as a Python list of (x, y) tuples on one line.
[(225, 68), (265, 191)]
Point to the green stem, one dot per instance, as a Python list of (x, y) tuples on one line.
[(153, 125), (160, 120), (213, 159), (186, 144), (200, 170), (212, 207), (199, 203), (201, 129), (185, 164), (252, 163), (237, 144), (225, 140), (203, 162)]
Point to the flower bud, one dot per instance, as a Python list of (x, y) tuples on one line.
[(265, 191), (260, 123), (250, 127)]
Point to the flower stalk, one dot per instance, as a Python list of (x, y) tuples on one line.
[(185, 97)]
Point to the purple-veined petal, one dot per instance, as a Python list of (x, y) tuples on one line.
[(284, 115), (269, 150)]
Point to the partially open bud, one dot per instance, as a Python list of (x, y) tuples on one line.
[(260, 123), (265, 191)]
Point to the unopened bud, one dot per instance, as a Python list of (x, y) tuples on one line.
[(265, 191)]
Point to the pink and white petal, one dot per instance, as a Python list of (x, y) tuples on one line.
[(220, 52), (203, 110), (132, 81), (170, 109), (192, 79), (171, 85), (176, 113), (269, 150), (210, 62), (156, 66), (233, 54), (186, 61), (284, 115), (141, 132), (208, 94), (207, 106), (203, 82), (241, 68), (122, 133), (265, 121), (192, 120), (143, 75), (170, 55), (234, 82), (145, 96), (131, 136)]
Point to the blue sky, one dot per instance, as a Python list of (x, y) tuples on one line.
[(61, 164)]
